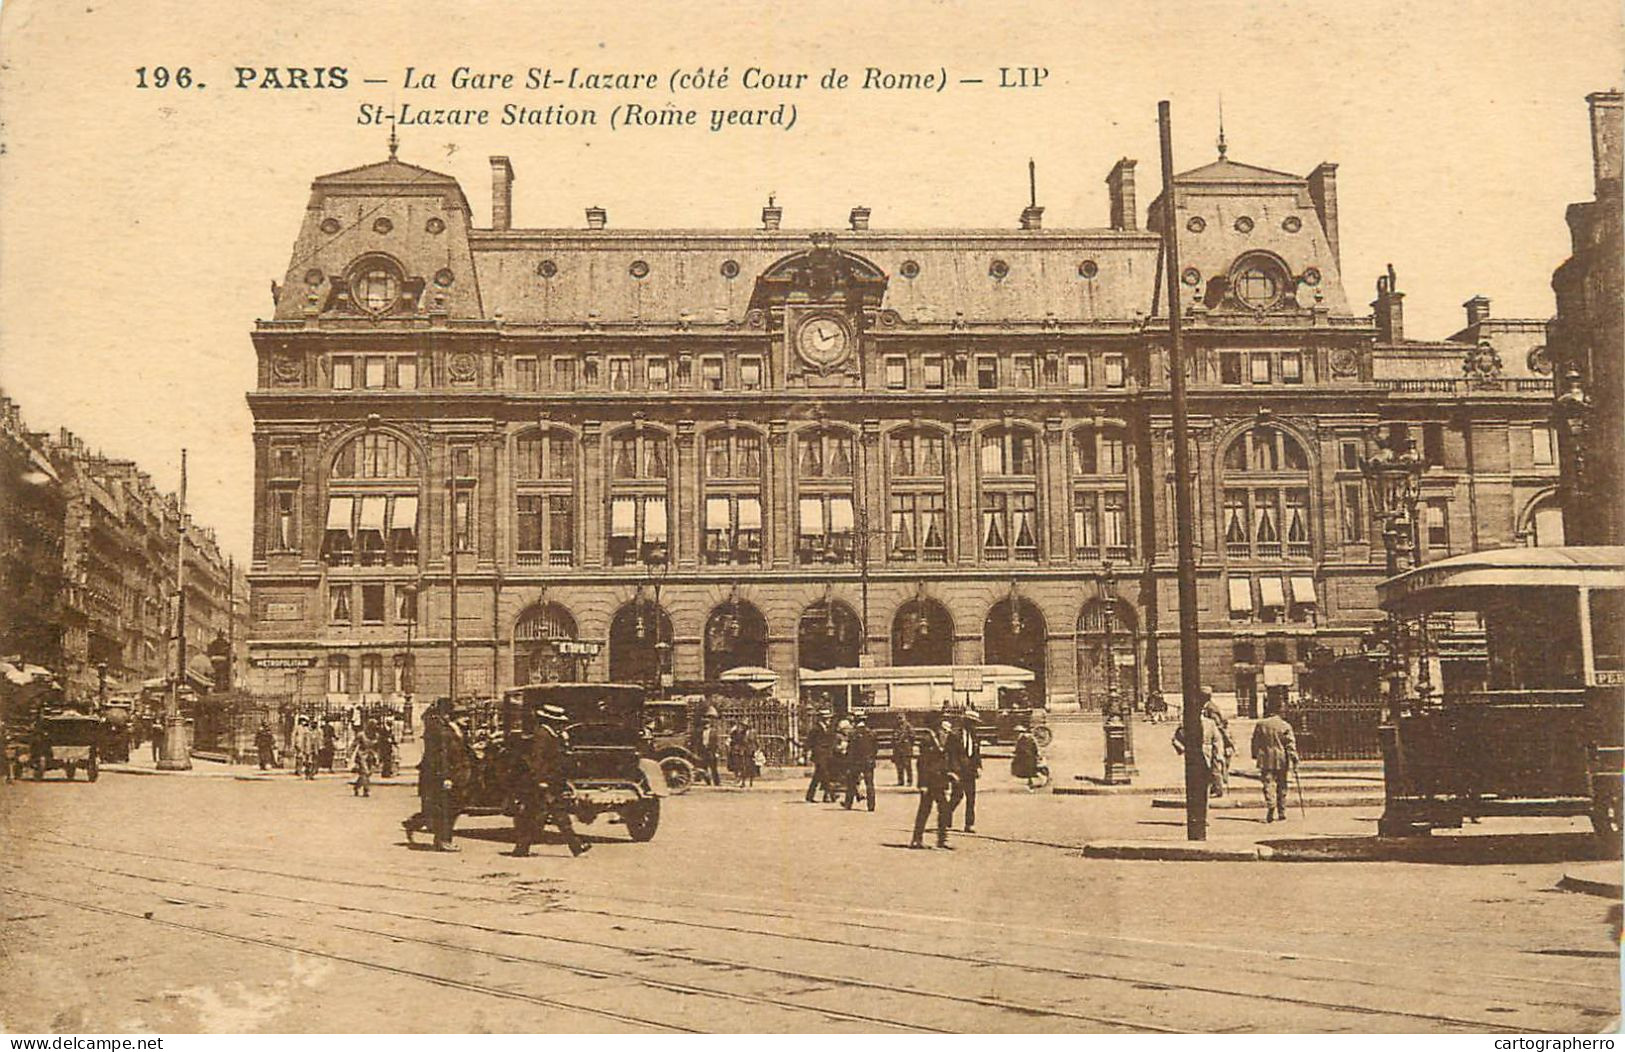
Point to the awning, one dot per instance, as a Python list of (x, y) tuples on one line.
[(654, 520), (1468, 582), (373, 510), (1303, 590), (406, 513), (840, 515), (750, 513), (1270, 593), (1241, 595), (338, 513)]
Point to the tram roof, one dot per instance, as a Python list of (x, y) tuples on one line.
[(1466, 582), (915, 673)]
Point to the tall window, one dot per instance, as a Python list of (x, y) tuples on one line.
[(1436, 519), (372, 503), (1100, 520), (1008, 459), (285, 519), (710, 374), (750, 372), (658, 373), (338, 674), (917, 476), (372, 674), (564, 374), (544, 478), (620, 374), (1267, 511), (733, 497), (825, 517), (639, 529)]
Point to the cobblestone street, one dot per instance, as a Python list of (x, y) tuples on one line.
[(199, 903)]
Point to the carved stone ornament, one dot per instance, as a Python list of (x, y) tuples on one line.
[(1345, 361), (286, 368), (462, 368), (1482, 364), (1539, 361)]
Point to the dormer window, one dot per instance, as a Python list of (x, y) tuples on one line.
[(375, 284), (1259, 281)]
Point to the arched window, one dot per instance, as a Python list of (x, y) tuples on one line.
[(1008, 459), (372, 503), (828, 635), (1014, 633), (733, 497), (1543, 525), (536, 655), (1100, 506), (544, 473), (922, 633), (1266, 496), (735, 636), (640, 644), (639, 480), (826, 521), (1103, 667), (917, 477), (1259, 281)]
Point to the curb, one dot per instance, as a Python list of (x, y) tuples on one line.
[(1163, 852), (1342, 799)]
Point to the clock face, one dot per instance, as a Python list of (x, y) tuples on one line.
[(823, 340)]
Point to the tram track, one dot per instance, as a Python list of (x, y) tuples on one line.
[(1344, 1009)]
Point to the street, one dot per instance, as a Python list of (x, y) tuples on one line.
[(191, 903)]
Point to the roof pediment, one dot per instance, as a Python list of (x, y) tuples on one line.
[(1225, 170)]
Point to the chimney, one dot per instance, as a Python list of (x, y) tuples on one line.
[(1120, 185), (1478, 309), (1605, 135), (1323, 192), (859, 218), (1032, 217), (1389, 308), (772, 214), (597, 218), (501, 194)]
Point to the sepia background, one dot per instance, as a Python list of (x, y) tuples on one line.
[(142, 229)]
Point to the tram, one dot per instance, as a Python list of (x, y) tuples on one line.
[(1538, 730), (923, 692)]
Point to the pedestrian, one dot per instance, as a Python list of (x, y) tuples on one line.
[(1275, 750), (902, 750), (327, 752), (840, 761), (755, 758), (964, 756), (265, 745), (1025, 763), (711, 745), (1228, 745), (1211, 750), (439, 776), (736, 752), (363, 754), (820, 745), (862, 750), (539, 789), (155, 727), (298, 745), (934, 778), (384, 740)]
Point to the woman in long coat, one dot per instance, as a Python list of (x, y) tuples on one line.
[(751, 752), (1024, 765)]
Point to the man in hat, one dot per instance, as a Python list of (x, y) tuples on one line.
[(861, 752), (265, 745), (933, 776), (964, 757), (820, 742), (540, 787), (438, 776), (711, 745), (1275, 749)]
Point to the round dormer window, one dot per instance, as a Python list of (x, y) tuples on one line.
[(1259, 281), (375, 284)]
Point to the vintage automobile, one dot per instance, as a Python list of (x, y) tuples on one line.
[(64, 740), (1540, 731), (924, 693), (674, 719), (606, 770)]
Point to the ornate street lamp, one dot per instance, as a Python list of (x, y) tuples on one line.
[(1393, 476), (1119, 750)]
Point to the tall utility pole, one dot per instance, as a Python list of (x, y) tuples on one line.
[(1190, 658), (456, 527), (175, 755)]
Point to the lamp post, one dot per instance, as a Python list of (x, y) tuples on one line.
[(410, 672), (1119, 750), (1393, 477)]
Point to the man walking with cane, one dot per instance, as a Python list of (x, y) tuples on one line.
[(1275, 748)]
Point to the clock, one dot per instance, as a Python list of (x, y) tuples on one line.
[(823, 340)]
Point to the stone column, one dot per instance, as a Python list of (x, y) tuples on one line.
[(964, 493), (592, 494), (682, 518), (778, 527)]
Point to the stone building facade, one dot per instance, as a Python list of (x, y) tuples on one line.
[(1588, 341), (91, 550), (698, 449)]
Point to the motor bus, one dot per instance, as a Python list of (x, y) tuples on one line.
[(999, 693), (1536, 730)]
